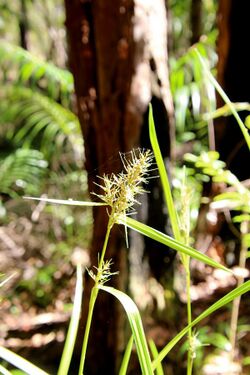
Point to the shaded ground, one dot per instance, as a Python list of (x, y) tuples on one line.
[(36, 302)]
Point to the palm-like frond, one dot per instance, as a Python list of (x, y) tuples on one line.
[(39, 121), (22, 171), (193, 93), (21, 66)]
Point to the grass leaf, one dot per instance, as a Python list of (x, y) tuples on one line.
[(164, 177), (69, 202), (4, 371), (126, 357), (136, 327), (20, 362), (169, 241), (244, 288), (225, 98), (154, 351), (73, 326)]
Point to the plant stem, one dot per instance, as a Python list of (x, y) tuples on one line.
[(189, 316), (236, 301), (93, 297), (185, 223)]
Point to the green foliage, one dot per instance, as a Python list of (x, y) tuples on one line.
[(38, 121), (168, 241), (237, 199), (40, 116), (136, 327), (73, 326), (126, 356), (179, 14), (244, 288), (224, 96), (22, 171), (193, 94), (118, 187), (20, 362), (24, 68)]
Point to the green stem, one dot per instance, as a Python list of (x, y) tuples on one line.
[(236, 301), (93, 297), (189, 317)]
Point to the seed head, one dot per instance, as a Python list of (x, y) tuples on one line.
[(120, 190)]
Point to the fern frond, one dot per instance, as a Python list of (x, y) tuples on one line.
[(22, 171), (39, 121), (22, 66)]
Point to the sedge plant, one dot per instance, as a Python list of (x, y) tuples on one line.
[(118, 193), (115, 184)]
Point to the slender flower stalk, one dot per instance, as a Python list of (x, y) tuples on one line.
[(119, 193), (244, 228), (185, 233)]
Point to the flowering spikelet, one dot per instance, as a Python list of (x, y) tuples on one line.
[(120, 190), (104, 273)]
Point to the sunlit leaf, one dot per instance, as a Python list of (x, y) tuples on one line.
[(126, 357), (244, 288), (69, 202), (136, 327), (164, 177), (169, 241), (20, 362), (73, 326)]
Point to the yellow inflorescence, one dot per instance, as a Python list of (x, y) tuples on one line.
[(120, 190)]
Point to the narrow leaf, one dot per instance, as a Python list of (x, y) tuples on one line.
[(169, 241), (126, 357), (244, 288), (154, 351), (20, 362), (225, 98), (5, 281), (4, 371), (73, 326), (163, 176), (69, 202), (136, 327)]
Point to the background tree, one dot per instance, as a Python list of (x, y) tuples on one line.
[(118, 55), (233, 75)]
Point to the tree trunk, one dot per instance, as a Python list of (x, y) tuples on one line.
[(111, 45), (234, 76), (196, 20), (23, 25)]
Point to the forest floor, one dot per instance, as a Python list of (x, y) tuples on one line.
[(36, 301)]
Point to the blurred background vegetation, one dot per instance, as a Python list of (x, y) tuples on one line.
[(42, 153)]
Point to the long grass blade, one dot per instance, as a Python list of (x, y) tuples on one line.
[(20, 362), (5, 281), (225, 98), (154, 351), (164, 177), (126, 357), (73, 326), (244, 288), (136, 327), (169, 241), (4, 371), (69, 202)]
